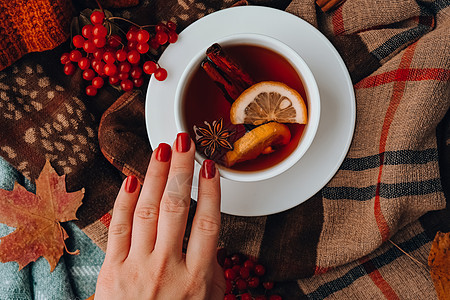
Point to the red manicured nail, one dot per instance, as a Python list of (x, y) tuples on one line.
[(209, 169), (131, 184), (163, 152), (183, 142)]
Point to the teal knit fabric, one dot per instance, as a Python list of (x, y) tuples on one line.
[(74, 277)]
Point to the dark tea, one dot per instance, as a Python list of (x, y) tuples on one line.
[(204, 103)]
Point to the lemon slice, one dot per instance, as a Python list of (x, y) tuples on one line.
[(260, 140), (269, 101)]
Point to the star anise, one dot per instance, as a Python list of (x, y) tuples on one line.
[(212, 137)]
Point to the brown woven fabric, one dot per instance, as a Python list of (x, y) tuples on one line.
[(391, 175), (29, 26)]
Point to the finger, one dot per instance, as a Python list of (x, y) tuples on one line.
[(147, 209), (119, 234), (202, 247), (176, 198)]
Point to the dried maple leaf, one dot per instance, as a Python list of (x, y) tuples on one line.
[(37, 218), (439, 263)]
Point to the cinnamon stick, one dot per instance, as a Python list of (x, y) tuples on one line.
[(236, 74), (226, 73), (230, 91)]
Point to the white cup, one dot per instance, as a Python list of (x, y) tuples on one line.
[(312, 98)]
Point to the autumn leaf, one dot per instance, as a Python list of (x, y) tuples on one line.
[(37, 218), (439, 263)]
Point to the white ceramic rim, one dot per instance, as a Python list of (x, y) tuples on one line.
[(312, 95)]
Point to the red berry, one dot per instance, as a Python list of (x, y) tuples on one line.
[(275, 297), (246, 296), (88, 74), (268, 285), (114, 41), (259, 270), (97, 17), (99, 30), (69, 69), (78, 41), (171, 25), (160, 74), (244, 272), (109, 57), (161, 37), (94, 63), (142, 36), (138, 82), (99, 42), (131, 45), (89, 46), (75, 55), (236, 269), (91, 91), (142, 48), (126, 85), (241, 284), (249, 264), (230, 297), (123, 76), (230, 274), (136, 72), (110, 69), (133, 57), (160, 27), (260, 298), (86, 31), (65, 58), (84, 63), (124, 67), (150, 68), (114, 80), (121, 55), (97, 82), (253, 282), (98, 53), (98, 66), (173, 37), (131, 35)]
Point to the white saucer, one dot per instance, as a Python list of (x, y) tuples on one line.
[(338, 109)]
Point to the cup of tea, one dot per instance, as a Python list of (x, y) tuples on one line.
[(213, 92)]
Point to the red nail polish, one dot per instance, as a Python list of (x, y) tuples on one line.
[(208, 169), (163, 152), (183, 142), (131, 184)]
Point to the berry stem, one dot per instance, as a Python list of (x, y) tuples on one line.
[(100, 6), (111, 22), (123, 19)]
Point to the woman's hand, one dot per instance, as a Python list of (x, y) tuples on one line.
[(144, 258)]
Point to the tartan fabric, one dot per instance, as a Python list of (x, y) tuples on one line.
[(391, 185)]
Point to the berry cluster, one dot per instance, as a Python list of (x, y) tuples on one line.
[(103, 56), (244, 279)]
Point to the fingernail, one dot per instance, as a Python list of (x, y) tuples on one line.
[(131, 184), (183, 142), (209, 169), (163, 152)]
